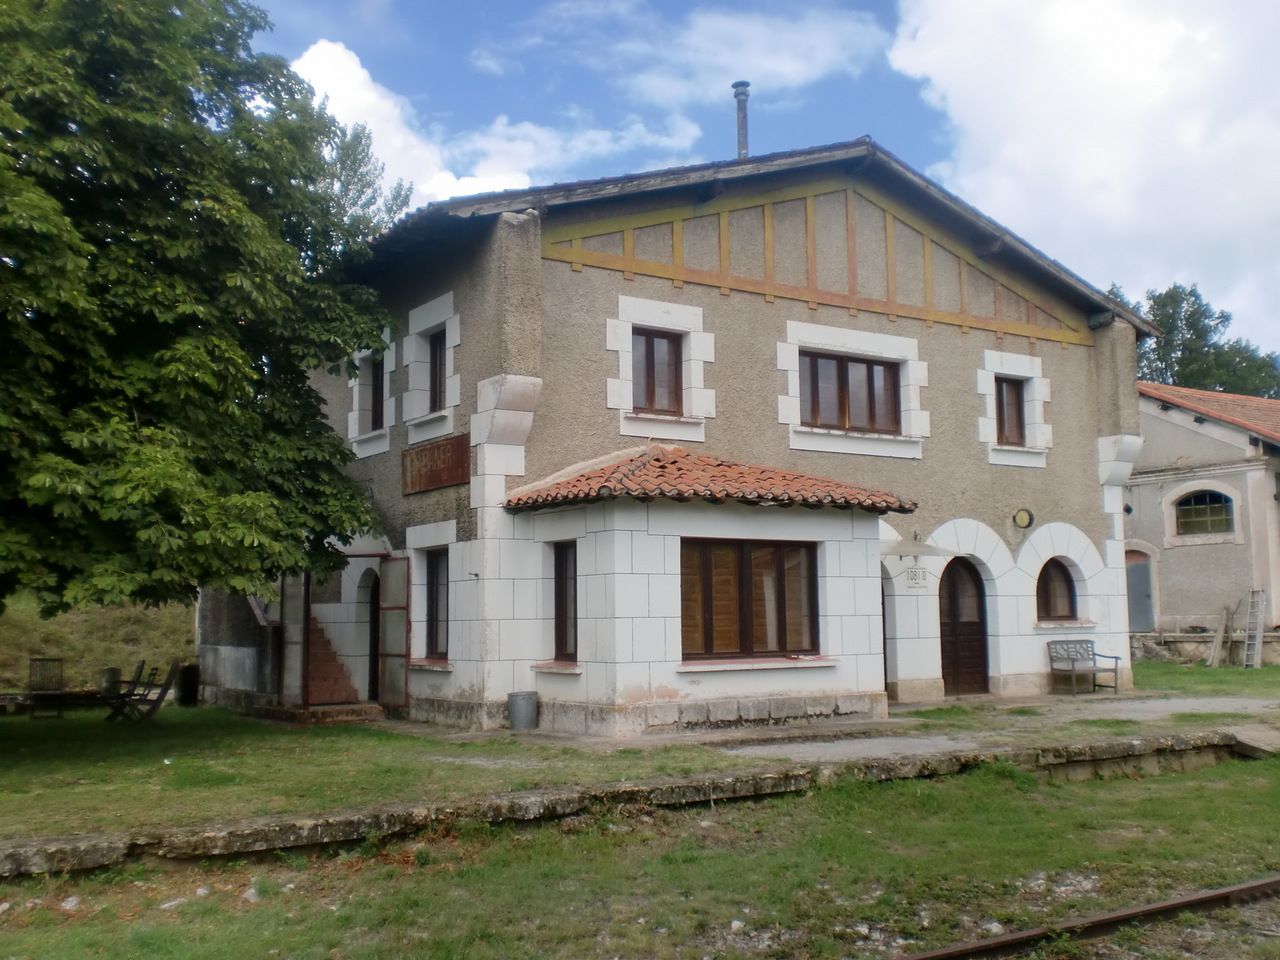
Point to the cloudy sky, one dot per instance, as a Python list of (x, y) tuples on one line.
[(1136, 141)]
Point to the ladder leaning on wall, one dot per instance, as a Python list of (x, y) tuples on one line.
[(1253, 630)]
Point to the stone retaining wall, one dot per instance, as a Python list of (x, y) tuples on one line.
[(1140, 756)]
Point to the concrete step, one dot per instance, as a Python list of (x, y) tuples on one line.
[(1256, 741), (329, 713)]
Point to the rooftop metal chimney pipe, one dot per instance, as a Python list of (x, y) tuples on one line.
[(740, 93)]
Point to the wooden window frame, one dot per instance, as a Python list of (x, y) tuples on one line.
[(889, 423), (377, 394), (437, 619), (566, 601), (436, 361), (1011, 434), (1184, 511), (643, 393), (746, 623), (1055, 568)]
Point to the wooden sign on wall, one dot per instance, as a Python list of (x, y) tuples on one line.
[(444, 463)]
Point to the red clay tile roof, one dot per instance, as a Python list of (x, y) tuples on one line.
[(1255, 414), (675, 473)]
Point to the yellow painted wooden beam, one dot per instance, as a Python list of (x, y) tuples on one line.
[(713, 278)]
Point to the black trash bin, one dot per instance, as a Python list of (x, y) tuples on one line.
[(188, 692)]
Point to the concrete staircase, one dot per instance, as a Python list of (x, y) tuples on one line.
[(329, 681)]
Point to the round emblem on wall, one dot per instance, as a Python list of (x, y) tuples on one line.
[(1023, 519)]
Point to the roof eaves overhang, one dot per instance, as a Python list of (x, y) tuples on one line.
[(1166, 400)]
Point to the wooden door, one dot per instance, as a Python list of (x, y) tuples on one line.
[(962, 605), (393, 633)]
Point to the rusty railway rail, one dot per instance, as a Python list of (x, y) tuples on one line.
[(1102, 924)]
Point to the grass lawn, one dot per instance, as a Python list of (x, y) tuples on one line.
[(91, 639), (1153, 676), (81, 774), (854, 869)]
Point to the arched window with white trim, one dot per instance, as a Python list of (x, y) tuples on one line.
[(1204, 511), (1055, 592)]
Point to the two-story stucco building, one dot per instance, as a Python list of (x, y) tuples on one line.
[(778, 437), (1203, 519)]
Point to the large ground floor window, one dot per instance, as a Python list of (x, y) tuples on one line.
[(743, 598)]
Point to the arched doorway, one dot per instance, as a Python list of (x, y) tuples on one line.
[(375, 641), (962, 618)]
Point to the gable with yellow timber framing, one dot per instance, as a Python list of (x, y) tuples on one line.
[(833, 241)]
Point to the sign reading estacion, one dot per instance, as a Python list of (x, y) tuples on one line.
[(444, 463)]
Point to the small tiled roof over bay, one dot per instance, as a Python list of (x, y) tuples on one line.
[(674, 473), (1255, 414)]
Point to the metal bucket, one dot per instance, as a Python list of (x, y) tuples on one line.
[(522, 707)]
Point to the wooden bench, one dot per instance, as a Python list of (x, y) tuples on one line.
[(1077, 658)]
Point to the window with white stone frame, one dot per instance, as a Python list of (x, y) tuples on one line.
[(373, 409), (669, 333), (1013, 423), (429, 602), (852, 391), (433, 387)]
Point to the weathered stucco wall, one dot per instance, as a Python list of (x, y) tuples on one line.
[(1194, 578), (953, 476), (497, 299)]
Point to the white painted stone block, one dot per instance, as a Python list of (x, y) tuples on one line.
[(617, 335), (613, 551), (631, 594), (659, 314), (520, 559), (789, 410), (664, 595), (648, 553), (521, 640), (702, 347), (649, 638), (563, 524), (835, 596), (525, 600), (431, 314), (632, 681), (618, 394), (497, 599), (701, 402), (425, 535)]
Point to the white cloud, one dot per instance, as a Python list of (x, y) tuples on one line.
[(503, 155), (487, 61), (1135, 140), (693, 61)]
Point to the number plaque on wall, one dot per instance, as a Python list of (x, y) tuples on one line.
[(444, 463)]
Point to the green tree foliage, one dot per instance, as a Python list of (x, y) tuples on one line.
[(173, 236), (1195, 351)]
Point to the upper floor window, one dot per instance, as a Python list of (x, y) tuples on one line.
[(1010, 416), (1205, 511), (848, 393), (745, 598), (436, 376), (655, 372), (377, 398), (1055, 592)]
